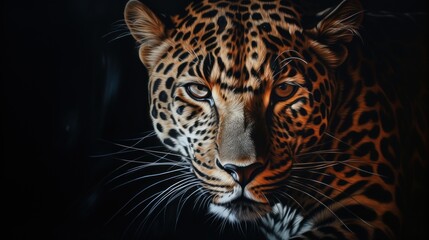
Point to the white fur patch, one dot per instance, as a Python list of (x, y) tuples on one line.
[(222, 212), (296, 106), (283, 223)]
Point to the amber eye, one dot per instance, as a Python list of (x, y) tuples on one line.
[(198, 91), (285, 90)]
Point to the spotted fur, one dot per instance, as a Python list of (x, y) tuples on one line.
[(282, 123)]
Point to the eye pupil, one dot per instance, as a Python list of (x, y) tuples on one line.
[(283, 86)]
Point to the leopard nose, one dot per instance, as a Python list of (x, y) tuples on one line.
[(244, 174)]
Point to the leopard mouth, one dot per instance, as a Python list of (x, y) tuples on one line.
[(240, 209)]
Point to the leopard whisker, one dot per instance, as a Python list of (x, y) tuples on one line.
[(155, 197), (351, 160), (332, 136), (151, 151), (354, 31), (316, 167), (180, 208), (322, 143), (365, 171), (293, 58), (148, 150), (357, 168), (281, 68), (146, 134), (287, 60), (172, 195), (118, 26), (159, 182), (299, 85), (120, 36), (333, 151), (171, 165), (183, 202), (203, 195), (327, 185), (321, 173), (163, 159), (192, 52), (160, 198), (286, 51), (326, 164), (284, 194), (313, 163), (144, 190), (319, 182), (146, 176), (126, 148), (321, 203), (336, 202), (326, 174), (113, 153), (352, 15), (170, 162)]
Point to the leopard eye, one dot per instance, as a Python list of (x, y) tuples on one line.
[(198, 91), (285, 90)]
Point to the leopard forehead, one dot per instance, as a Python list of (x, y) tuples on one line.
[(205, 15), (245, 40)]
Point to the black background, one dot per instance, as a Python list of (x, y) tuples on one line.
[(68, 85)]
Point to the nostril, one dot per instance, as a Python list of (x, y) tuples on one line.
[(243, 175)]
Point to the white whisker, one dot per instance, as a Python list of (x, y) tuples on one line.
[(145, 189), (290, 197), (332, 136), (157, 196), (333, 151), (172, 194), (146, 176), (293, 58), (337, 202), (323, 204)]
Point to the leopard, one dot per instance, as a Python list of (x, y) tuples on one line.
[(287, 122)]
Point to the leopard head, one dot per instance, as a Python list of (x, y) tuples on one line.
[(241, 89)]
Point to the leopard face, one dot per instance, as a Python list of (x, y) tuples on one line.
[(241, 90)]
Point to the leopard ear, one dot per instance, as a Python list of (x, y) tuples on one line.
[(337, 25), (147, 29)]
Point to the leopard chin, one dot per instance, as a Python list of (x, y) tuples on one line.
[(240, 210)]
